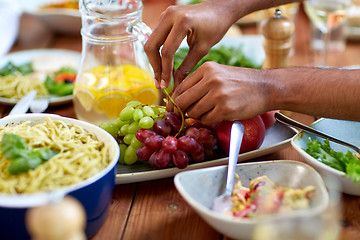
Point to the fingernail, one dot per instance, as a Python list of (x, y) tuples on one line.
[(156, 84), (162, 84)]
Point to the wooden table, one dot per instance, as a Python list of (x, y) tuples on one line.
[(154, 209)]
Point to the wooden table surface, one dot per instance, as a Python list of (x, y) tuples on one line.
[(154, 209)]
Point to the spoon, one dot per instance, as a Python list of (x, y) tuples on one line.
[(290, 122), (39, 105), (223, 202)]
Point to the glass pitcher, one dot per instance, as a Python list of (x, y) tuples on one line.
[(114, 68)]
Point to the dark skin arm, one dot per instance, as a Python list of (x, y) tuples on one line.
[(203, 24)]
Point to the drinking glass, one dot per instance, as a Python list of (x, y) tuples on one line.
[(326, 15)]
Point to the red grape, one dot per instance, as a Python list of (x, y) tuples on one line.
[(193, 132), (144, 153), (198, 154), (204, 134), (143, 134), (162, 159), (186, 143), (209, 153), (170, 144), (211, 142), (180, 159), (173, 120), (152, 160), (162, 128), (154, 142)]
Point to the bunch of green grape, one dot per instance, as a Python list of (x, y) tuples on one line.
[(132, 118)]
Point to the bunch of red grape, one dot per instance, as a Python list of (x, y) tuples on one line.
[(167, 146)]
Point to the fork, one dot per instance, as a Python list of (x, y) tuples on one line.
[(39, 105)]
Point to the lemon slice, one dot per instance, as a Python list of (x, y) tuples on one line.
[(147, 95), (111, 104), (85, 97)]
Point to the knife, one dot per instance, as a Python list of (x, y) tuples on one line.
[(22, 106)]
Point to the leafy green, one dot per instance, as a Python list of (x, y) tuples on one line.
[(11, 68), (24, 158), (347, 163), (232, 56), (59, 88)]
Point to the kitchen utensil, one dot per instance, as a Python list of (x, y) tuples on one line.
[(290, 122), (39, 105), (23, 104), (223, 202)]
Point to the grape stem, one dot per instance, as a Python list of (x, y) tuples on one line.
[(178, 108)]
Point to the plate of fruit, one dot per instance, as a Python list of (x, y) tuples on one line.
[(156, 144)]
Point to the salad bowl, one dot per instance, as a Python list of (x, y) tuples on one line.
[(200, 187), (348, 131)]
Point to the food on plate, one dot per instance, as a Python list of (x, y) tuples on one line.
[(73, 155), (47, 78), (101, 93), (71, 4), (265, 197), (232, 56), (254, 134), (348, 163)]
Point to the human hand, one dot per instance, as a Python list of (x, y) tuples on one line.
[(203, 24), (217, 92)]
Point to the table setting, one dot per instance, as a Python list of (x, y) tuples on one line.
[(67, 70)]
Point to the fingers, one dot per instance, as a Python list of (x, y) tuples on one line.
[(195, 54), (171, 44)]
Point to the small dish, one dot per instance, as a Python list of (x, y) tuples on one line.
[(348, 131), (58, 19), (200, 187)]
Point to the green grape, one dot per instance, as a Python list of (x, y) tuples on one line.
[(133, 127), (136, 143), (128, 137), (110, 127), (124, 129), (146, 122), (123, 147), (127, 113), (130, 156), (133, 104), (148, 111), (120, 123), (138, 114)]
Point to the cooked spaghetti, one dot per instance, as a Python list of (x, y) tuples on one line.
[(81, 155), (16, 86)]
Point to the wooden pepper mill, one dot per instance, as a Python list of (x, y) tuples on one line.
[(63, 219), (277, 32)]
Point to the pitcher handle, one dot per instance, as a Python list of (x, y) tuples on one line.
[(141, 30)]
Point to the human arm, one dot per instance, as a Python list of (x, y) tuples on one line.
[(217, 92), (203, 24)]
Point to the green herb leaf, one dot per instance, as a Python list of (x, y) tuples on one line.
[(58, 88), (347, 163), (11, 68)]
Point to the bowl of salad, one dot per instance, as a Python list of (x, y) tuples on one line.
[(271, 190), (332, 158)]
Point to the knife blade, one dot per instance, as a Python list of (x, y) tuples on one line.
[(22, 106)]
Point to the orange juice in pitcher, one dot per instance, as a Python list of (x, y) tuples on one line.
[(114, 69)]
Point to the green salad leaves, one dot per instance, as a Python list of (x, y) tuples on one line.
[(232, 56), (24, 158), (347, 163), (10, 68)]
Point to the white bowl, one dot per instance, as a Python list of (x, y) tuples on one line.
[(60, 20), (348, 131), (200, 187)]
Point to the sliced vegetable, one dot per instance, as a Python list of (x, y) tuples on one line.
[(347, 163), (61, 83), (24, 158)]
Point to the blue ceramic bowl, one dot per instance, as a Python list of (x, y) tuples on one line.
[(94, 193)]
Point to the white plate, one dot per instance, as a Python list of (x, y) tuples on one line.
[(276, 137), (28, 55), (59, 20)]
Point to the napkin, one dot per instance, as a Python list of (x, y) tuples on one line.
[(9, 24)]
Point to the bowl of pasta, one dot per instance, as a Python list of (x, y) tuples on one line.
[(47, 155)]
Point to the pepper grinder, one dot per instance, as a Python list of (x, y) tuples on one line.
[(62, 219), (277, 32)]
